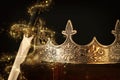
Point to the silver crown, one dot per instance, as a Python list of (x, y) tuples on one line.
[(70, 52)]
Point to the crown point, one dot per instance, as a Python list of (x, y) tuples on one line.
[(117, 28), (117, 25), (94, 38), (69, 25), (69, 21), (69, 29)]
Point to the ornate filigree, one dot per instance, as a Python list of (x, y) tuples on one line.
[(96, 53), (114, 53), (70, 52)]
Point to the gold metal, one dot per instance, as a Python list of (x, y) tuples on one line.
[(42, 6), (70, 52), (17, 30), (45, 50)]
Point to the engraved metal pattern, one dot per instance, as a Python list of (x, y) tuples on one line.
[(114, 53), (70, 52), (96, 53)]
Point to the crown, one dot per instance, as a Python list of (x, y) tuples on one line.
[(70, 52), (45, 49)]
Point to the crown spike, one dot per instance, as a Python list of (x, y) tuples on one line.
[(69, 29), (116, 32), (117, 27), (94, 40)]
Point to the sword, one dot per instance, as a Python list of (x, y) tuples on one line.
[(21, 55)]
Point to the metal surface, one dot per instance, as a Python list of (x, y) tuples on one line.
[(70, 52)]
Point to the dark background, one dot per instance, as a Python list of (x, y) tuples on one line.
[(89, 17)]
